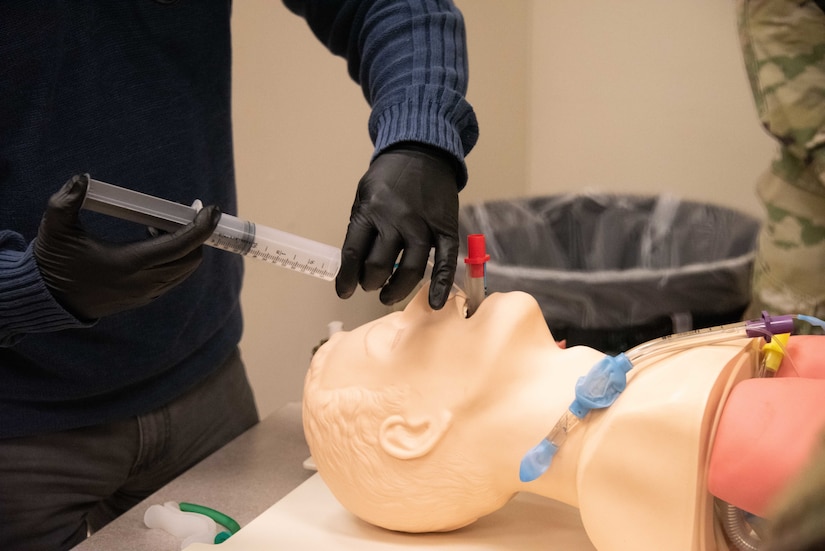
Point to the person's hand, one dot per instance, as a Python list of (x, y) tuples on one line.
[(91, 278), (407, 201)]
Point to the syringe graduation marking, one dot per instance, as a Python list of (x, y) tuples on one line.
[(308, 267), (247, 246), (230, 243)]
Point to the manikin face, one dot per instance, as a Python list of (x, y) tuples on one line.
[(448, 404), (423, 347)]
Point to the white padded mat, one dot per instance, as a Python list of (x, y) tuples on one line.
[(310, 518)]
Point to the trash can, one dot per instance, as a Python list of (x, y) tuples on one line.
[(613, 271)]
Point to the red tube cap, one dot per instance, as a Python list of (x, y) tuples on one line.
[(476, 254)]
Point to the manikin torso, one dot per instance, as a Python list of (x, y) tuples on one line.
[(642, 464), (636, 470)]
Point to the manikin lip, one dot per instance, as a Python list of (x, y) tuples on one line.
[(461, 304)]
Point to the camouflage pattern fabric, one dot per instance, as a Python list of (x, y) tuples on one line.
[(783, 43), (797, 524)]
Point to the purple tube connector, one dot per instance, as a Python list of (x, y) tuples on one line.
[(769, 326)]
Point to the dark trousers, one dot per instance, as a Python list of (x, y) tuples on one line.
[(54, 487)]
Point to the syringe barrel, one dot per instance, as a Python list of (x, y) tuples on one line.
[(275, 246), (232, 234)]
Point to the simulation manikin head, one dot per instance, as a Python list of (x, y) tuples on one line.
[(418, 420)]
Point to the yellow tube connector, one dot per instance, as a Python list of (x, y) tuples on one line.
[(774, 353)]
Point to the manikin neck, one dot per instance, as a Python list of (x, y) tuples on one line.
[(554, 390), (653, 441)]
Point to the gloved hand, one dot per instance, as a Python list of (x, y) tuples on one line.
[(407, 200), (91, 278)]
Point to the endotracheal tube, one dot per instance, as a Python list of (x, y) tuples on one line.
[(600, 387), (475, 274)]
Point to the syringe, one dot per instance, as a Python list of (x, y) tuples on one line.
[(232, 234)]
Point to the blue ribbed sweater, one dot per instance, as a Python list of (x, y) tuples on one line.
[(137, 92)]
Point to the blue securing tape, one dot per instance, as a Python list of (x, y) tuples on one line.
[(602, 385)]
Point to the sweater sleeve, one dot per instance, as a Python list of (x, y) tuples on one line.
[(410, 58), (26, 305)]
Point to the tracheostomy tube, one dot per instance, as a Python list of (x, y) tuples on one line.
[(232, 233), (601, 386)]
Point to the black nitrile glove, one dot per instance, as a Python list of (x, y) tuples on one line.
[(91, 278), (407, 200)]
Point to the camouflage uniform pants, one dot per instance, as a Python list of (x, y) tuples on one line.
[(783, 43)]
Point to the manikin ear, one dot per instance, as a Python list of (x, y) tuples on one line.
[(403, 438)]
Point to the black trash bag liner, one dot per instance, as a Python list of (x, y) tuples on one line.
[(613, 271)]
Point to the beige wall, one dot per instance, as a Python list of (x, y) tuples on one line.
[(643, 96), (300, 145), (498, 42), (636, 96)]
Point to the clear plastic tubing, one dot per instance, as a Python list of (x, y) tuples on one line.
[(767, 326), (232, 234)]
